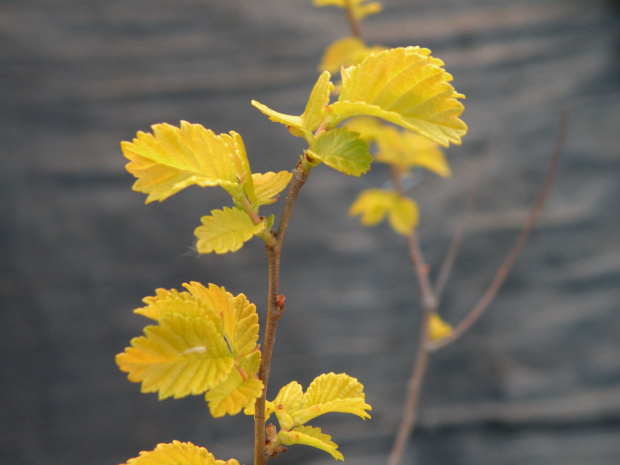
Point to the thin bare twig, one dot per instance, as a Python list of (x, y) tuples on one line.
[(504, 269), (455, 245), (354, 24), (429, 305)]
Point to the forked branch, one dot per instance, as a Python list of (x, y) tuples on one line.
[(429, 301), (502, 272)]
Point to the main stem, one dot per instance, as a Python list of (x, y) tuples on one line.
[(274, 309)]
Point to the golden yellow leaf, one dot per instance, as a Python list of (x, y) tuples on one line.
[(310, 436), (225, 231), (268, 185), (290, 396), (346, 52), (178, 453), (403, 215), (180, 356), (240, 324), (238, 391), (407, 87), (332, 393), (373, 205), (407, 150), (172, 158), (309, 121), (206, 341)]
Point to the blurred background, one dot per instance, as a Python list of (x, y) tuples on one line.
[(537, 380)]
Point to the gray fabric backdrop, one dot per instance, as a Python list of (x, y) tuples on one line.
[(537, 381)]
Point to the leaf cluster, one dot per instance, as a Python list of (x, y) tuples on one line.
[(204, 342)]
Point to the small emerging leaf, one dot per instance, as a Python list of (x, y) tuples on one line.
[(407, 87), (342, 150), (290, 396), (268, 185), (225, 231), (178, 453), (437, 328), (403, 149), (310, 120), (375, 204), (361, 8), (332, 393), (403, 216), (173, 158), (310, 436)]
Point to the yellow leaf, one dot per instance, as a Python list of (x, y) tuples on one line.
[(178, 453), (311, 118), (240, 324), (200, 331), (179, 357), (242, 164), (225, 231), (290, 396), (237, 391), (373, 205), (348, 51), (270, 407), (406, 150), (369, 128), (342, 150), (361, 8), (332, 393), (437, 328), (173, 158), (403, 215), (268, 185), (319, 99), (407, 87), (310, 436)]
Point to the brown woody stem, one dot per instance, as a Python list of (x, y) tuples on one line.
[(275, 306), (354, 23)]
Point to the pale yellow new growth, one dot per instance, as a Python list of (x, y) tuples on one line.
[(437, 328), (311, 118), (361, 8), (407, 87), (173, 158), (268, 185), (403, 149), (205, 341), (178, 453), (375, 204), (346, 52), (327, 393), (310, 436), (226, 231)]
